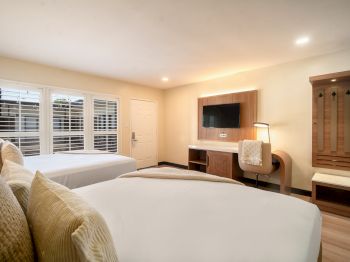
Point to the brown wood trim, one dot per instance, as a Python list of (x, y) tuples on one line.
[(248, 115), (330, 205), (326, 77), (330, 124)]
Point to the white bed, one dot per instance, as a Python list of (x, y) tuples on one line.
[(176, 220), (76, 170)]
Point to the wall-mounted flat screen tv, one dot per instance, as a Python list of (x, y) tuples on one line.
[(221, 116)]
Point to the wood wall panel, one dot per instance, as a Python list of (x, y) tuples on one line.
[(248, 113), (333, 153)]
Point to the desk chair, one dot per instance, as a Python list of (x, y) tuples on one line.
[(265, 169)]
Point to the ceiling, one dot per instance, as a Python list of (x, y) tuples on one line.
[(186, 40)]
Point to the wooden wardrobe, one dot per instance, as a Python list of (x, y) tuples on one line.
[(331, 120)]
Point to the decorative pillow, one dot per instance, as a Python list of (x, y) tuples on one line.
[(10, 152), (19, 179), (64, 227), (15, 240), (1, 142)]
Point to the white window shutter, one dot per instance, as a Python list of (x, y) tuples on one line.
[(20, 118), (105, 125), (67, 122)]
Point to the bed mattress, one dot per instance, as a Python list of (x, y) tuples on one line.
[(155, 220), (76, 170)]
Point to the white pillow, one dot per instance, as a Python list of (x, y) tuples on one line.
[(10, 152)]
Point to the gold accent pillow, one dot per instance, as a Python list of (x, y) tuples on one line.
[(1, 142), (19, 179), (15, 240), (65, 227), (10, 152)]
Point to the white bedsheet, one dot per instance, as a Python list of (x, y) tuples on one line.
[(161, 220), (76, 170)]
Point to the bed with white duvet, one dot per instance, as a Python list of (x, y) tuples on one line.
[(156, 219), (80, 168)]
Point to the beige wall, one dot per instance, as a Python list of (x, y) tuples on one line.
[(284, 101), (16, 70)]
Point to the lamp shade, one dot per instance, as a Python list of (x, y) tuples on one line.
[(261, 124)]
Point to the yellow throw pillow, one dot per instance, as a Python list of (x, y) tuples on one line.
[(65, 227), (1, 142), (19, 179), (15, 240), (10, 152)]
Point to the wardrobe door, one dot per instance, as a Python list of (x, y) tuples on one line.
[(331, 125)]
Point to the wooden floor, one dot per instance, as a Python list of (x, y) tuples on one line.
[(335, 235)]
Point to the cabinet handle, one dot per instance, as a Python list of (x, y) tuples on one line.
[(207, 161)]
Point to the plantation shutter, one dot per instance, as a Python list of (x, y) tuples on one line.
[(106, 125), (20, 118), (67, 122)]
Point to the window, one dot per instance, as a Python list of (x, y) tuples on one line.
[(19, 118), (43, 120), (105, 125), (67, 122)]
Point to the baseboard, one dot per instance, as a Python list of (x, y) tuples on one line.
[(272, 186), (276, 187)]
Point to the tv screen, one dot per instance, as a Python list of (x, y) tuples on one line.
[(221, 116)]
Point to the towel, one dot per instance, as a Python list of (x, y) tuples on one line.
[(251, 152)]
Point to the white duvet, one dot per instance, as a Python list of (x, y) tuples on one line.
[(76, 170), (167, 220)]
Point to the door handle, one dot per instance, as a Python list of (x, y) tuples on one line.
[(133, 137)]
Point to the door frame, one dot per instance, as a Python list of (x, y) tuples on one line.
[(156, 123)]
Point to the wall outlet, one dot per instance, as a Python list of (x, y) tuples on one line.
[(222, 135)]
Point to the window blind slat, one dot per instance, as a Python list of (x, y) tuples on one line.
[(67, 118), (20, 112), (105, 120)]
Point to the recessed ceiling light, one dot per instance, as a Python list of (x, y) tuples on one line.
[(165, 79), (302, 40), (333, 80)]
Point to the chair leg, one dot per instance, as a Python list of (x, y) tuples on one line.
[(257, 181)]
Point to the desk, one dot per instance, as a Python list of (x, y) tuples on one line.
[(223, 161)]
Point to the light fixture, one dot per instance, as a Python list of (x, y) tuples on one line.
[(165, 79), (334, 80), (263, 125), (302, 40)]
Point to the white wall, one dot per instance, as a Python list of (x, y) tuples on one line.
[(22, 71), (284, 101)]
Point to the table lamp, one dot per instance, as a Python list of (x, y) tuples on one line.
[(263, 125)]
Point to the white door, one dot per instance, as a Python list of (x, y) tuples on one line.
[(144, 132)]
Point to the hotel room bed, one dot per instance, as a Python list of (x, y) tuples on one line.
[(80, 169), (157, 219)]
